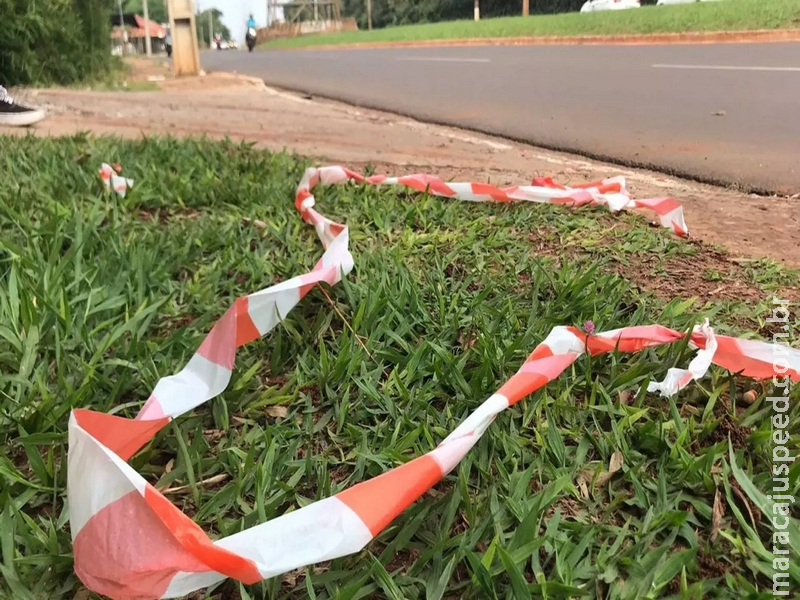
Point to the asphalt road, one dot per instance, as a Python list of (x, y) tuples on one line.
[(727, 113)]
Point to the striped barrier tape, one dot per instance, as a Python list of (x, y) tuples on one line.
[(113, 181), (131, 542)]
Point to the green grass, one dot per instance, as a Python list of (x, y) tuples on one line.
[(726, 15), (100, 296)]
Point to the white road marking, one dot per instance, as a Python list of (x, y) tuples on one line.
[(726, 68), (441, 59)]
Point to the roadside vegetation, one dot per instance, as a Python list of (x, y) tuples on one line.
[(54, 41), (725, 15), (589, 488)]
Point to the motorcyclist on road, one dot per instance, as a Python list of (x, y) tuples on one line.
[(251, 35)]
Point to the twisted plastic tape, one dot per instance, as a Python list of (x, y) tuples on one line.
[(130, 542), (113, 181)]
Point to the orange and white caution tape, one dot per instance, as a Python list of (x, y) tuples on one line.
[(677, 379), (611, 193), (113, 181), (131, 542)]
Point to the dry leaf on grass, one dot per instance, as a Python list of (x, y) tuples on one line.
[(746, 503), (290, 578), (587, 476), (82, 594), (603, 478), (625, 397), (466, 341), (716, 517), (614, 465), (169, 466), (582, 486), (258, 224), (688, 408), (212, 435), (616, 462), (279, 412)]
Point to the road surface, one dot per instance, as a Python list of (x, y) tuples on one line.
[(727, 113)]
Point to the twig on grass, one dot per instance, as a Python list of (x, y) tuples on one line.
[(341, 316), (185, 488)]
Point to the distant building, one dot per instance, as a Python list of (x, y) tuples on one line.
[(136, 28)]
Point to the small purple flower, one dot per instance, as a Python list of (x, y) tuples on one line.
[(588, 327)]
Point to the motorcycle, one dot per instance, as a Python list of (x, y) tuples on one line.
[(250, 38)]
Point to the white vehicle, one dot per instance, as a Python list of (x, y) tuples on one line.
[(596, 5)]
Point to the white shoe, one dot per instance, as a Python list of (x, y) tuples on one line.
[(16, 115)]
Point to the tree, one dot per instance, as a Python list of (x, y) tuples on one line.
[(156, 8), (201, 20), (54, 41)]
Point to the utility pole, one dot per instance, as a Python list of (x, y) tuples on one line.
[(477, 10), (211, 27), (197, 19), (147, 43), (123, 33), (369, 14), (185, 54), (526, 8)]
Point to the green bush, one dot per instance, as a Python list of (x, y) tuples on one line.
[(54, 41)]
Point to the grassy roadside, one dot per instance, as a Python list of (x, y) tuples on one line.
[(100, 296), (726, 15)]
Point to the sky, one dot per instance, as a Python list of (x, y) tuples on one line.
[(235, 13)]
